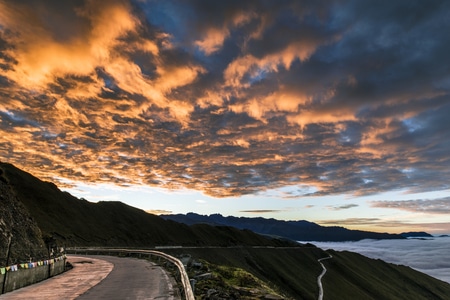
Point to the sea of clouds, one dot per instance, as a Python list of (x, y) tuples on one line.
[(430, 256)]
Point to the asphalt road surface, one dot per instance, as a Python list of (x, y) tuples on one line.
[(132, 278), (102, 277), (319, 279)]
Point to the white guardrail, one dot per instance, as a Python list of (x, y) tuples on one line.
[(189, 295)]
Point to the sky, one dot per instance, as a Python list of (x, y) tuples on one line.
[(334, 112)]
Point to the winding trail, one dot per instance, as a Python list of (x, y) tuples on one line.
[(319, 279)]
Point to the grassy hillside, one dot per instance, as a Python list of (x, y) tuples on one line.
[(290, 271), (293, 272), (353, 276)]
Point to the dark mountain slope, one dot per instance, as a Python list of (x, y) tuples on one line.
[(294, 230), (20, 236), (78, 222), (292, 271), (416, 234), (349, 275)]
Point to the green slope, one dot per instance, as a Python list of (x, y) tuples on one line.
[(289, 271), (294, 271), (353, 276)]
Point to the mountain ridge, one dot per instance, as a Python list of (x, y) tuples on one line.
[(295, 230), (74, 222), (416, 234)]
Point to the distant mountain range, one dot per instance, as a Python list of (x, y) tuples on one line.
[(293, 230), (416, 234)]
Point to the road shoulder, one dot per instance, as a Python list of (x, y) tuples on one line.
[(86, 273)]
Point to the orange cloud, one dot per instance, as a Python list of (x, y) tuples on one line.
[(41, 57), (107, 91), (213, 40), (214, 37), (280, 101), (311, 117)]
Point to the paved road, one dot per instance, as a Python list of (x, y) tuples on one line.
[(102, 277), (319, 279), (132, 278)]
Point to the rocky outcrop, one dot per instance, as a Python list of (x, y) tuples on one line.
[(20, 237)]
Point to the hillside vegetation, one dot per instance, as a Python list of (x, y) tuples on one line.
[(372, 279), (293, 272), (286, 267)]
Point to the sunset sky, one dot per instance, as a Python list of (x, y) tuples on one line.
[(336, 112)]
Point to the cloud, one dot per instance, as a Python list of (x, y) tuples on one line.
[(354, 221), (229, 98), (261, 211), (428, 256), (45, 52), (432, 206), (386, 224), (158, 212), (341, 207)]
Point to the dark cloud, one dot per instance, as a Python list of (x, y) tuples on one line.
[(433, 206), (341, 207), (356, 221), (229, 97)]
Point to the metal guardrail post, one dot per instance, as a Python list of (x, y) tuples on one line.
[(189, 295)]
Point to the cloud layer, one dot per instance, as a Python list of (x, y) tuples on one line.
[(428, 256), (228, 97)]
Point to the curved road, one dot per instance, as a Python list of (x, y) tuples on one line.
[(102, 277), (319, 279), (132, 278)]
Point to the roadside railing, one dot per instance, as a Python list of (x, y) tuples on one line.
[(188, 293)]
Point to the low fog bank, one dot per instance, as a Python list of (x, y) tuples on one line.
[(431, 256)]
